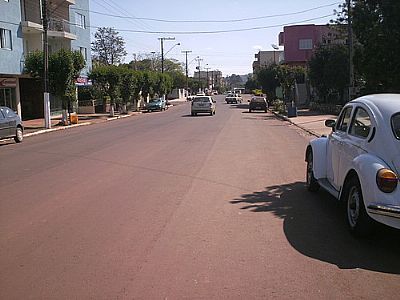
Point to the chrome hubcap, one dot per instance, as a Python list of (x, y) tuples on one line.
[(353, 206), (19, 134)]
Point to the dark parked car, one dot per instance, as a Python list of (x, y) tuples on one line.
[(258, 103), (10, 124), (156, 104)]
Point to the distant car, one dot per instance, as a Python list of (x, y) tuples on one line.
[(10, 125), (203, 104), (156, 104), (258, 103), (359, 162), (190, 97), (233, 99)]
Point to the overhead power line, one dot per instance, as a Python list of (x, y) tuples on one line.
[(218, 31), (208, 21)]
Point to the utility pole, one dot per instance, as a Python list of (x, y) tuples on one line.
[(162, 39), (212, 80), (46, 96), (350, 43), (187, 69), (208, 83), (199, 62)]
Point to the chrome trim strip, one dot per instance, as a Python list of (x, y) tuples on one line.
[(384, 210)]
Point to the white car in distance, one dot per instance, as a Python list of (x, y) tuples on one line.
[(203, 104), (359, 162)]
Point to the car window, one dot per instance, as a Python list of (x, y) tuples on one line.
[(1, 115), (344, 120), (8, 113), (361, 124), (201, 99), (396, 125)]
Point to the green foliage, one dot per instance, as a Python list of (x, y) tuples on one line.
[(329, 72), (108, 47), (288, 76), (148, 83), (178, 79), (279, 106), (251, 84), (107, 81), (163, 84), (376, 29), (64, 67), (267, 78), (34, 64)]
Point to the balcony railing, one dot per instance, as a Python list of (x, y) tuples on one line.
[(59, 25)]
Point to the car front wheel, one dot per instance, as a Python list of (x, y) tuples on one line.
[(360, 224), (19, 136)]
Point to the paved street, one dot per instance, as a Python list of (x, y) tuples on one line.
[(169, 206)]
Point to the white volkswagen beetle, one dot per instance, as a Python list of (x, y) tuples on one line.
[(359, 162)]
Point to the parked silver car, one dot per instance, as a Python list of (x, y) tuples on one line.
[(10, 125)]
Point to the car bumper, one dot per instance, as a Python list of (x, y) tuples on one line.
[(384, 210)]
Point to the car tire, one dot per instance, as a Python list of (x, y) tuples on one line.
[(192, 114), (211, 114), (19, 135), (311, 183), (249, 110), (360, 224)]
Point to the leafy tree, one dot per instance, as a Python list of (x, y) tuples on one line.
[(108, 47), (64, 67), (107, 80), (376, 28), (288, 76), (148, 83), (163, 84), (251, 84), (329, 72), (178, 79), (267, 78)]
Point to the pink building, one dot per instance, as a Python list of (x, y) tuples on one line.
[(299, 41)]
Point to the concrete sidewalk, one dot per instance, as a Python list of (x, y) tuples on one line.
[(309, 121), (36, 126)]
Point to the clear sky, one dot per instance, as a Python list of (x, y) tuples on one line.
[(232, 52)]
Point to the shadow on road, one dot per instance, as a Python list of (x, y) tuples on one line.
[(314, 224)]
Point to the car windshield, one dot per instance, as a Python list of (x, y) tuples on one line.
[(155, 100), (201, 99), (396, 125), (257, 100)]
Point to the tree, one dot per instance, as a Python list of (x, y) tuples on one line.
[(163, 84), (251, 84), (64, 67), (288, 76), (376, 28), (107, 80), (329, 72), (108, 47), (178, 79), (267, 78), (148, 83)]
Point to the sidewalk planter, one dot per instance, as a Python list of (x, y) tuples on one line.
[(74, 119)]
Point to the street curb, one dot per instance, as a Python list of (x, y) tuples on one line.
[(77, 125), (297, 125), (56, 129)]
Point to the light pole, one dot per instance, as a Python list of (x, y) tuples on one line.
[(275, 48), (208, 83), (152, 59), (187, 70), (350, 41), (198, 59), (162, 39), (46, 96)]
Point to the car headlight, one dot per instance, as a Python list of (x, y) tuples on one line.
[(386, 180)]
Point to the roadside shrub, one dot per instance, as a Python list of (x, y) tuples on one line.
[(279, 106)]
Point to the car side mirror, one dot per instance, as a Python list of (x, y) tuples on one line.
[(330, 123)]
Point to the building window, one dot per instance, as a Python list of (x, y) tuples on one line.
[(80, 20), (5, 39), (305, 44), (83, 51)]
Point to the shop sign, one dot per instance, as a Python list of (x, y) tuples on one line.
[(8, 82)]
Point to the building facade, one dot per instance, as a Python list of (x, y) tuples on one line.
[(213, 78), (266, 58), (299, 41), (21, 23)]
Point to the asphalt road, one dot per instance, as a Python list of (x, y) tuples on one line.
[(169, 206)]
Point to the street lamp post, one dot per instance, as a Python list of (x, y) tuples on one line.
[(208, 83), (275, 48), (162, 39), (187, 70), (198, 59)]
